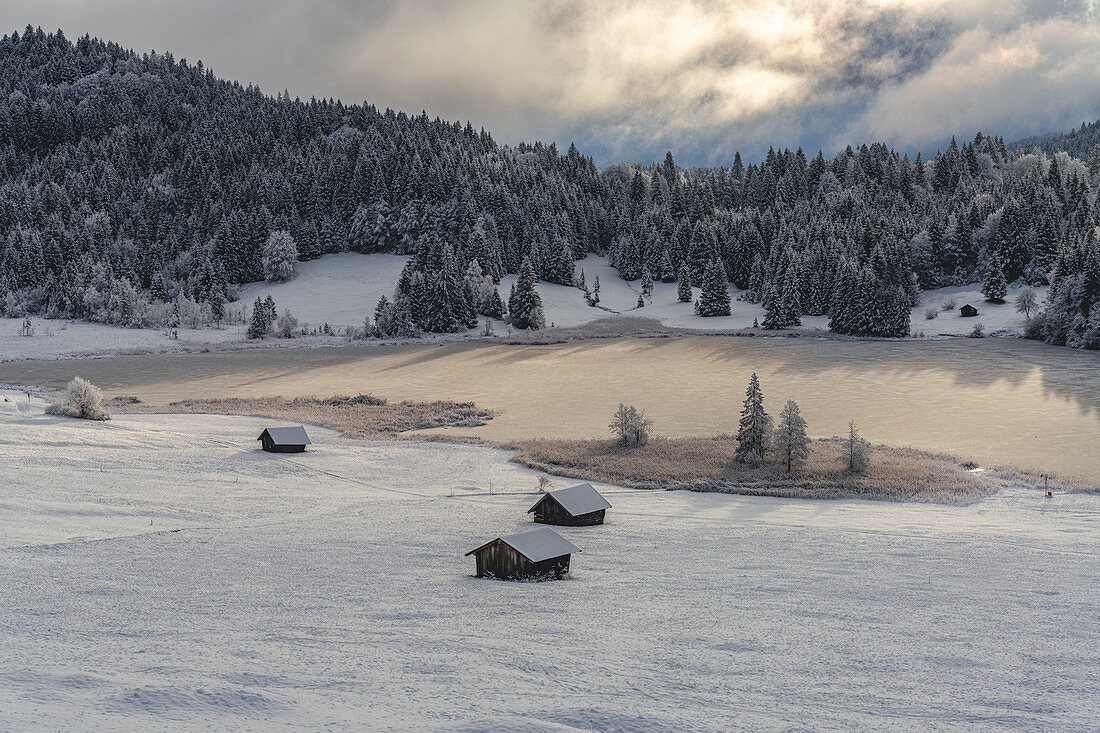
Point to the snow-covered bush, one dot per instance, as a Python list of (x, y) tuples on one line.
[(950, 304), (930, 313), (81, 399), (631, 425), (287, 326), (978, 332)]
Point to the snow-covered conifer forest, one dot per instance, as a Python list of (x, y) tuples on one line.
[(134, 188)]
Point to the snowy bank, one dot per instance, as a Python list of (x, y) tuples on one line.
[(342, 289), (160, 572)]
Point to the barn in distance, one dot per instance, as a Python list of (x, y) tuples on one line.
[(576, 506), (290, 439), (539, 554), (968, 311)]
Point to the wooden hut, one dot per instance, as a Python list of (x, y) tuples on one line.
[(540, 554), (968, 311), (577, 506), (291, 439)]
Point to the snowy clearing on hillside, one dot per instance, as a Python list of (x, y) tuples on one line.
[(341, 289), (338, 289), (160, 572)]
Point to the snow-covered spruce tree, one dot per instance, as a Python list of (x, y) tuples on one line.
[(271, 313), (647, 283), (755, 427), (404, 324), (714, 300), (791, 445), (683, 286), (383, 318), (995, 287), (446, 311), (494, 308), (665, 270), (81, 399), (525, 306), (258, 324), (280, 257), (857, 451)]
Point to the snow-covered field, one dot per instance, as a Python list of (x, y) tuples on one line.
[(159, 572), (341, 289), (54, 339)]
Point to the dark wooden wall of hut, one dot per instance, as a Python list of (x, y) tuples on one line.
[(549, 511), (269, 445), (498, 560)]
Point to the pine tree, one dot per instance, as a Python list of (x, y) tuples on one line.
[(259, 323), (525, 306), (683, 287), (995, 286), (271, 313), (447, 300), (791, 443), (715, 297), (495, 307), (647, 283), (755, 427)]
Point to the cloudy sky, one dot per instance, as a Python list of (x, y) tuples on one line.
[(628, 80)]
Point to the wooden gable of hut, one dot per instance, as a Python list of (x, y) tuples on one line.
[(576, 506), (968, 311), (539, 554)]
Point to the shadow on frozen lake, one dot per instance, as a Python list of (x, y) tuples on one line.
[(998, 401)]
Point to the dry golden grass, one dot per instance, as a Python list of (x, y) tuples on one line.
[(706, 464), (362, 416), (698, 464)]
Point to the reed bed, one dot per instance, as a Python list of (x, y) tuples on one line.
[(706, 464)]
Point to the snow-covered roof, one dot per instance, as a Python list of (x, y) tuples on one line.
[(537, 544), (290, 435), (578, 500)]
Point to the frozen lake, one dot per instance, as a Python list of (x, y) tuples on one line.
[(160, 573), (996, 401)]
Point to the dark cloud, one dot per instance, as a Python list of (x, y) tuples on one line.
[(632, 79)]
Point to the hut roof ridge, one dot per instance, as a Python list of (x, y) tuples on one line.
[(288, 435), (536, 544), (578, 500)]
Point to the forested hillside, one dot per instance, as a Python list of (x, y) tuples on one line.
[(1083, 143), (133, 187)]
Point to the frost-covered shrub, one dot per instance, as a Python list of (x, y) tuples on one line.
[(192, 314), (950, 304), (930, 313), (631, 425), (287, 326), (978, 332), (81, 399)]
